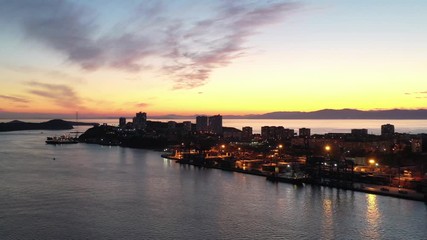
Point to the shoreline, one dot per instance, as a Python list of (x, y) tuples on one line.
[(381, 190)]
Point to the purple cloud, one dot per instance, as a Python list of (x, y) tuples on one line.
[(183, 49)]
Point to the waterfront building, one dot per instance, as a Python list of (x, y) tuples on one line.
[(304, 132), (186, 126), (215, 124), (140, 121), (122, 122), (201, 124), (247, 134), (387, 130)]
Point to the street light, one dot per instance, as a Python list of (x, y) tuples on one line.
[(327, 149), (372, 163)]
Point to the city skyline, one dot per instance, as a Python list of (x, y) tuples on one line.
[(188, 57)]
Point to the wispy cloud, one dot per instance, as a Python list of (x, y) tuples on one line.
[(216, 41), (418, 95), (55, 74), (59, 94), (142, 105), (14, 99), (183, 49)]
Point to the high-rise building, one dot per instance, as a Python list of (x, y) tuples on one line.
[(140, 120), (265, 132), (122, 122), (387, 130), (247, 134), (215, 124), (201, 124), (304, 132)]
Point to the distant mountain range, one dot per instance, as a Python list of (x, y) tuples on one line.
[(325, 114), (321, 114)]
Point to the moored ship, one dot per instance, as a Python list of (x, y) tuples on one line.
[(61, 140)]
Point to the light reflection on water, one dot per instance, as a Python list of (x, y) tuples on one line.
[(372, 216), (328, 221), (96, 192)]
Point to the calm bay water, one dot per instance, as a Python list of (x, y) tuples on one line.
[(85, 191)]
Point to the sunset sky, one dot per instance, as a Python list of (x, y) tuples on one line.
[(115, 58)]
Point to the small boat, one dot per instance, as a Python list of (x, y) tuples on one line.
[(61, 140)]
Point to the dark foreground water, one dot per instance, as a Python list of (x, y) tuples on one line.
[(95, 192)]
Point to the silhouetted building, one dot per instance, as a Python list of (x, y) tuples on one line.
[(359, 132), (304, 132), (424, 142), (265, 132), (387, 130), (186, 126), (416, 144), (277, 133), (287, 133), (140, 120), (232, 134), (247, 134), (201, 124), (122, 122), (171, 125), (215, 124)]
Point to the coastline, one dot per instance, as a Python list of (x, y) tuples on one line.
[(357, 187)]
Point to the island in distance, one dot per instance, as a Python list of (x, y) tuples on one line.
[(55, 124)]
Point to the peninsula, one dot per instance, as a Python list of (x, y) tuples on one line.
[(55, 124)]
